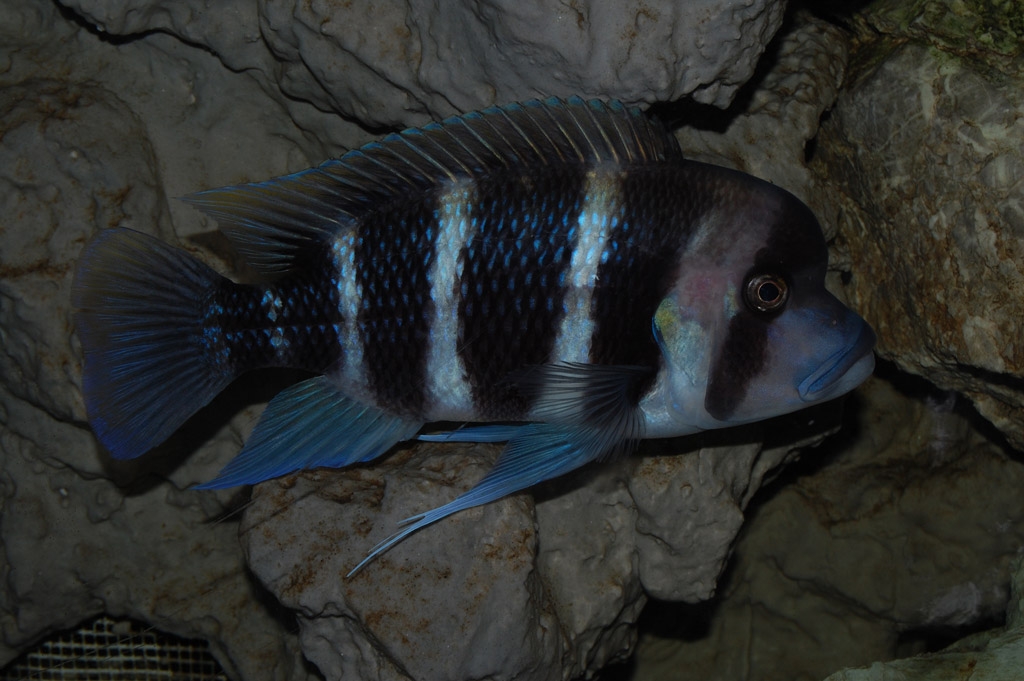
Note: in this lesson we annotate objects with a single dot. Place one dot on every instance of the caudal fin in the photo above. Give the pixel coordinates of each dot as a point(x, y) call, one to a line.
point(140, 308)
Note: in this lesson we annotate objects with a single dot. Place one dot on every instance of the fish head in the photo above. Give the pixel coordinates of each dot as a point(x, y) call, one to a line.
point(749, 330)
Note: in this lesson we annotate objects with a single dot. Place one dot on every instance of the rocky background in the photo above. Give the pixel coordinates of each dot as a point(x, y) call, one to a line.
point(737, 555)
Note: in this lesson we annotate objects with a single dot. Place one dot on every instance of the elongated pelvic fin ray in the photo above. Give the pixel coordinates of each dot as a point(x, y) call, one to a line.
point(308, 425)
point(596, 413)
point(492, 432)
point(273, 223)
point(539, 452)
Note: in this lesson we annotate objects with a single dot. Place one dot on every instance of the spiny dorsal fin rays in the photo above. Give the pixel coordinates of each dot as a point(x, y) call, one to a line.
point(429, 158)
point(590, 136)
point(522, 134)
point(467, 162)
point(275, 223)
point(565, 137)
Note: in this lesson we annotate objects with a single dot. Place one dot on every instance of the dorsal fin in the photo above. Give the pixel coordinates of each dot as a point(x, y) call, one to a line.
point(273, 223)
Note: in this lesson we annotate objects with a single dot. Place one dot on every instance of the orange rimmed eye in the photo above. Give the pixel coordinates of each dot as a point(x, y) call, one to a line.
point(767, 292)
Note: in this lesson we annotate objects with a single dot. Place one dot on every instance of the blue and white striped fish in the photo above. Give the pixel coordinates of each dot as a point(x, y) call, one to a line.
point(554, 272)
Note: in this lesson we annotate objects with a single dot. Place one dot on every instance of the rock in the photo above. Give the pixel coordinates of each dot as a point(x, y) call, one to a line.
point(799, 80)
point(996, 655)
point(482, 594)
point(925, 150)
point(910, 530)
point(459, 600)
point(399, 64)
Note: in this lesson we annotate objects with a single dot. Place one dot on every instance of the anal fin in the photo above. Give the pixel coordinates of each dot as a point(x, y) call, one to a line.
point(309, 425)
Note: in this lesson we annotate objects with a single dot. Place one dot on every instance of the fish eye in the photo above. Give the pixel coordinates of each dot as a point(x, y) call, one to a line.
point(767, 292)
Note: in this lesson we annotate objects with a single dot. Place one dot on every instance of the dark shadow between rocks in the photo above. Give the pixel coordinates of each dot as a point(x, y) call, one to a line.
point(922, 640)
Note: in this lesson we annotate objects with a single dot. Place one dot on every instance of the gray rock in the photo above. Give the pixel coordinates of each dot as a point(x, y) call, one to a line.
point(996, 655)
point(395, 63)
point(768, 133)
point(914, 527)
point(459, 600)
point(482, 594)
point(96, 135)
point(925, 151)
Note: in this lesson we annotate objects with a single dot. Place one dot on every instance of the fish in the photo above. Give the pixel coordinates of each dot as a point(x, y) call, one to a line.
point(553, 274)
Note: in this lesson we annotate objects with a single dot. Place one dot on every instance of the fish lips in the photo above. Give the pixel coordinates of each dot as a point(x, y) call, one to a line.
point(843, 371)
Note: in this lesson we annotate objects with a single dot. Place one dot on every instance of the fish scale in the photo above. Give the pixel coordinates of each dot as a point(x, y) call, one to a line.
point(552, 273)
point(243, 331)
point(497, 337)
point(392, 272)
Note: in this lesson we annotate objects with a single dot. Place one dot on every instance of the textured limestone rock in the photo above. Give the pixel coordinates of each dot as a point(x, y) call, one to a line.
point(925, 147)
point(912, 532)
point(482, 594)
point(914, 528)
point(397, 63)
point(767, 132)
point(996, 655)
point(458, 601)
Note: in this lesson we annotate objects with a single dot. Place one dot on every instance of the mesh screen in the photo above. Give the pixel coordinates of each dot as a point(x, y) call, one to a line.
point(112, 650)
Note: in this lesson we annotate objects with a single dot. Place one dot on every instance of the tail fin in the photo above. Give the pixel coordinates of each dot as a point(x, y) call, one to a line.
point(140, 307)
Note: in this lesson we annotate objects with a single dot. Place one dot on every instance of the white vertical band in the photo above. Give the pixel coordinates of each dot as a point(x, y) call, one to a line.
point(595, 222)
point(448, 391)
point(350, 296)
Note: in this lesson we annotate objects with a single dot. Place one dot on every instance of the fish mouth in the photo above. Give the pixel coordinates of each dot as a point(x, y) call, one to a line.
point(843, 371)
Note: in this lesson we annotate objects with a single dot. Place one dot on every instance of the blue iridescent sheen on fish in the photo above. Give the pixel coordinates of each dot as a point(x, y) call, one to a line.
point(552, 273)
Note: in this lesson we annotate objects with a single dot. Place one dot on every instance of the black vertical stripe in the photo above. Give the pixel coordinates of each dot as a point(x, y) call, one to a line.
point(310, 319)
point(232, 328)
point(652, 225)
point(512, 284)
point(394, 252)
point(741, 359)
point(794, 247)
point(238, 332)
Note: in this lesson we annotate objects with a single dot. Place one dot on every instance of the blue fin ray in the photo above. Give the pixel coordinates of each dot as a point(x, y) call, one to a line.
point(274, 223)
point(575, 392)
point(596, 414)
point(492, 432)
point(539, 452)
point(140, 305)
point(308, 425)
